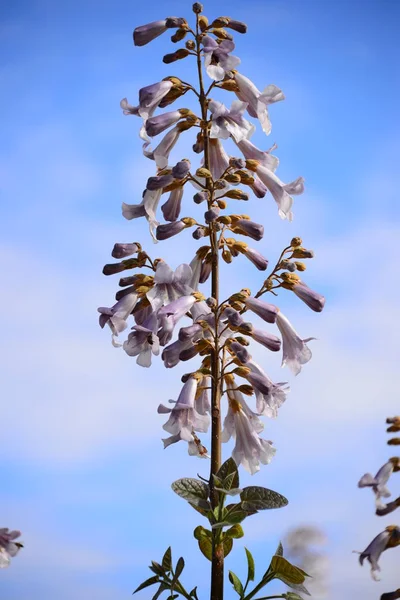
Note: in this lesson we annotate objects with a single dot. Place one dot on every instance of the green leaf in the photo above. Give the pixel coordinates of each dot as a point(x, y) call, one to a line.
point(235, 514)
point(279, 550)
point(200, 532)
point(147, 583)
point(193, 593)
point(228, 545)
point(251, 569)
point(166, 562)
point(227, 469)
point(192, 490)
point(237, 584)
point(160, 590)
point(234, 532)
point(203, 511)
point(180, 565)
point(156, 568)
point(292, 596)
point(259, 498)
point(205, 545)
point(286, 572)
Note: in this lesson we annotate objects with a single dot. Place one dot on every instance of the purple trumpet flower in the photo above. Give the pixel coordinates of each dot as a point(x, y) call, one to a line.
point(259, 189)
point(163, 232)
point(265, 158)
point(217, 60)
point(160, 123)
point(226, 123)
point(266, 339)
point(281, 191)
point(143, 342)
point(233, 316)
point(169, 285)
point(147, 33)
point(295, 350)
point(253, 230)
point(256, 258)
point(171, 209)
point(313, 300)
point(219, 160)
point(170, 355)
point(147, 208)
point(378, 545)
point(265, 311)
point(274, 395)
point(240, 352)
point(159, 182)
point(170, 314)
point(116, 316)
point(378, 483)
point(257, 101)
point(124, 250)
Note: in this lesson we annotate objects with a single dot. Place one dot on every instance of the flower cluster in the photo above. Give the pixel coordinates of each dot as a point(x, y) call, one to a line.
point(160, 298)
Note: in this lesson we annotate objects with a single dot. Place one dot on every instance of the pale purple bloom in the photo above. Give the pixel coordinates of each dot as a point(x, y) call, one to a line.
point(202, 401)
point(184, 418)
point(240, 352)
point(265, 158)
point(242, 423)
point(265, 311)
point(146, 33)
point(159, 181)
point(266, 339)
point(170, 314)
point(190, 332)
point(206, 268)
point(253, 230)
point(164, 232)
point(233, 316)
point(295, 350)
point(258, 101)
point(313, 300)
point(212, 214)
point(218, 158)
point(147, 208)
point(256, 258)
point(200, 197)
point(378, 545)
point(195, 265)
point(226, 123)
point(273, 395)
point(259, 189)
point(143, 342)
point(128, 109)
point(117, 315)
point(378, 483)
point(169, 285)
point(181, 169)
point(124, 250)
point(171, 353)
point(171, 209)
point(281, 191)
point(161, 153)
point(8, 547)
point(160, 123)
point(217, 60)
point(151, 96)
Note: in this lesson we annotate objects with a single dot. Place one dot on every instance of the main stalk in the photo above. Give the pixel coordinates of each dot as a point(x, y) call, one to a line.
point(217, 566)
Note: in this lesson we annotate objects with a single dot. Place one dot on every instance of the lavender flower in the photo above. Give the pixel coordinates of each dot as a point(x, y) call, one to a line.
point(116, 316)
point(256, 258)
point(124, 250)
point(143, 342)
point(257, 101)
point(253, 230)
point(168, 230)
point(265, 158)
point(146, 33)
point(266, 339)
point(170, 314)
point(295, 350)
point(171, 209)
point(262, 309)
point(378, 483)
point(272, 396)
point(147, 208)
point(240, 352)
point(378, 545)
point(8, 547)
point(219, 160)
point(217, 60)
point(226, 123)
point(313, 300)
point(281, 191)
point(169, 285)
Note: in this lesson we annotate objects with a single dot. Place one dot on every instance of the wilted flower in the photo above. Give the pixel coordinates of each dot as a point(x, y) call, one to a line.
point(295, 350)
point(388, 538)
point(242, 423)
point(257, 101)
point(8, 547)
point(217, 60)
point(226, 123)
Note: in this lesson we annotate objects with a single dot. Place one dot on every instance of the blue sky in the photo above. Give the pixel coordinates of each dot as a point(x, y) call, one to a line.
point(84, 475)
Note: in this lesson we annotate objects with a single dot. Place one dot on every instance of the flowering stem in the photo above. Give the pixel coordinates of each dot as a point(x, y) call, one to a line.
point(217, 565)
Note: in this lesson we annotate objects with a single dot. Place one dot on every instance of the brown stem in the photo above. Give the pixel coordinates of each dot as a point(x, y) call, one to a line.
point(217, 566)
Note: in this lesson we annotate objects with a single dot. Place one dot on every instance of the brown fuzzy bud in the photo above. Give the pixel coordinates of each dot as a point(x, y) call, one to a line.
point(245, 177)
point(203, 23)
point(233, 178)
point(219, 184)
point(142, 289)
point(178, 35)
point(236, 305)
point(394, 442)
point(220, 22)
point(237, 195)
point(190, 45)
point(393, 429)
point(296, 241)
point(246, 389)
point(242, 340)
point(197, 8)
point(225, 220)
point(222, 204)
point(300, 266)
point(227, 256)
point(203, 172)
point(202, 252)
point(252, 164)
point(238, 297)
point(178, 55)
point(229, 85)
point(300, 252)
point(188, 221)
point(185, 125)
point(222, 34)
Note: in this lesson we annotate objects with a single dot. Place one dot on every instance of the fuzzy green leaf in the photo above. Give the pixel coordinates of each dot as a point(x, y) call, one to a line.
point(237, 584)
point(192, 490)
point(251, 569)
point(201, 532)
point(259, 498)
point(282, 569)
point(205, 545)
point(227, 469)
point(147, 583)
point(156, 568)
point(160, 590)
point(235, 513)
point(234, 532)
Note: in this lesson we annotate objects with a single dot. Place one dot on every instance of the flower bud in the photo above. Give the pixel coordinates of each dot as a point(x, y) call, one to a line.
point(197, 8)
point(174, 22)
point(113, 268)
point(252, 164)
point(227, 256)
point(124, 250)
point(300, 266)
point(211, 215)
point(237, 195)
point(178, 35)
point(199, 233)
point(229, 85)
point(203, 23)
point(121, 293)
point(181, 169)
point(220, 184)
point(163, 232)
point(174, 56)
point(233, 178)
point(190, 45)
point(198, 147)
point(237, 163)
point(296, 241)
point(221, 34)
point(394, 442)
point(203, 172)
point(222, 204)
point(246, 389)
point(238, 26)
point(225, 220)
point(220, 22)
point(188, 221)
point(300, 252)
